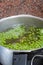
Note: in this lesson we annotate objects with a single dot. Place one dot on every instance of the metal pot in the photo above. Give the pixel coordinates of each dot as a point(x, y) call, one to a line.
point(5, 23)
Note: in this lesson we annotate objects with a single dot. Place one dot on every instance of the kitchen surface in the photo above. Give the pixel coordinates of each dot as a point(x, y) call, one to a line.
point(15, 7)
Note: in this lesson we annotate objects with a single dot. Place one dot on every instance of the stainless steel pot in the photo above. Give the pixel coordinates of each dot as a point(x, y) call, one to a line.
point(6, 54)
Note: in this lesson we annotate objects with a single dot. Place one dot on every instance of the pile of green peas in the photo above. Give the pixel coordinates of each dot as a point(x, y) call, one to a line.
point(26, 38)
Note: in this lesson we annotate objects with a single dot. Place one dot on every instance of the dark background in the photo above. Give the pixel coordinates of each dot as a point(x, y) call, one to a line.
point(15, 7)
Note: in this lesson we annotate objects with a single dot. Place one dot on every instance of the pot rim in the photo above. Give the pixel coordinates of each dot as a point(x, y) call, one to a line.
point(23, 15)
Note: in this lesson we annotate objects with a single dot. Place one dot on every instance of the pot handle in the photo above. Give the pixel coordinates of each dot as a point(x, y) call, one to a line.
point(34, 57)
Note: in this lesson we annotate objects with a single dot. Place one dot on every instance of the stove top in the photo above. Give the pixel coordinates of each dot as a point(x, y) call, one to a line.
point(22, 58)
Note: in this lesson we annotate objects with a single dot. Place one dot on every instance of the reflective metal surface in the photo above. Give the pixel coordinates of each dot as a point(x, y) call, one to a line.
point(5, 56)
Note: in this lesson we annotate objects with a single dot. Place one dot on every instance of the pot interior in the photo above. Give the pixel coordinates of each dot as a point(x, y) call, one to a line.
point(8, 23)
